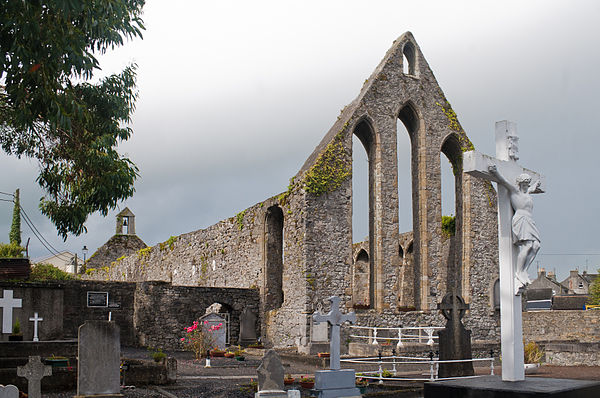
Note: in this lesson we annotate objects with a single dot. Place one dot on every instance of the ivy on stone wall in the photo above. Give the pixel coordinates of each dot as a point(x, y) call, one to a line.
point(239, 218)
point(465, 142)
point(331, 169)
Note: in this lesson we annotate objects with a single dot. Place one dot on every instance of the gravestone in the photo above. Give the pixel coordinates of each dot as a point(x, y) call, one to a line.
point(454, 339)
point(99, 359)
point(320, 330)
point(33, 371)
point(270, 376)
point(7, 303)
point(247, 327)
point(335, 382)
point(216, 321)
point(35, 319)
point(9, 391)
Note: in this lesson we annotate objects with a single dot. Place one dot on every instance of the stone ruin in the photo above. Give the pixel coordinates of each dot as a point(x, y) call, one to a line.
point(297, 248)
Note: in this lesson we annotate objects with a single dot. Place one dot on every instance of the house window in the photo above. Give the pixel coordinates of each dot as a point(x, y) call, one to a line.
point(581, 285)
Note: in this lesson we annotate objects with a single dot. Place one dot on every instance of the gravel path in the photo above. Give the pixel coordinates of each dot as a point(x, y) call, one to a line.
point(228, 378)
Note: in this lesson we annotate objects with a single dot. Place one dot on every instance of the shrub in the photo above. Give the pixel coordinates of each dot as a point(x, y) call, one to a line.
point(448, 225)
point(48, 272)
point(11, 250)
point(533, 353)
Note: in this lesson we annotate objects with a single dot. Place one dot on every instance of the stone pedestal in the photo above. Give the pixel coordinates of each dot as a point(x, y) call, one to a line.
point(336, 383)
point(271, 394)
point(494, 387)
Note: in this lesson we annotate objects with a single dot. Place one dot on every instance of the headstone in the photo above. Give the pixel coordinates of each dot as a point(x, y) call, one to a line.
point(506, 172)
point(33, 371)
point(7, 303)
point(247, 327)
point(216, 326)
point(454, 340)
point(9, 391)
point(335, 382)
point(35, 319)
point(99, 359)
point(270, 378)
point(270, 372)
point(320, 332)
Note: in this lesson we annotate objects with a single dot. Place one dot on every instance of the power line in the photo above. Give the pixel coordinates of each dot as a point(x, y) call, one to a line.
point(36, 232)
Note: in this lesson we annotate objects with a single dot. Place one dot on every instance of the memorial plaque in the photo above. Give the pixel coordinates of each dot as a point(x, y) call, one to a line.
point(97, 299)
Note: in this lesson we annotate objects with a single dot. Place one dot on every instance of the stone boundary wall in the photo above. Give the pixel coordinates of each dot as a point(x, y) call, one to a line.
point(148, 313)
point(572, 354)
point(162, 310)
point(573, 325)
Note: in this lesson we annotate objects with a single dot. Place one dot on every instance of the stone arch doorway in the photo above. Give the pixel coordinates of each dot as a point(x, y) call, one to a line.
point(273, 267)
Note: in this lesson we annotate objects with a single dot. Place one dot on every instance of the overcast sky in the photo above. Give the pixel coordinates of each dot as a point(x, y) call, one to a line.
point(234, 96)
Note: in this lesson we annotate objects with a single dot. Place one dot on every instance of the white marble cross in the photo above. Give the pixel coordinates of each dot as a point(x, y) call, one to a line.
point(7, 302)
point(335, 318)
point(477, 164)
point(33, 371)
point(35, 319)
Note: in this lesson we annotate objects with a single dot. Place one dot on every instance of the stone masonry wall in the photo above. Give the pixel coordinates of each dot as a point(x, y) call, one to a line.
point(231, 254)
point(574, 325)
point(149, 313)
point(162, 310)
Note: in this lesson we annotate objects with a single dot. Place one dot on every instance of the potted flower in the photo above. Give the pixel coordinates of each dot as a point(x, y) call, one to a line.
point(229, 354)
point(288, 379)
point(361, 383)
point(533, 355)
point(216, 352)
point(57, 361)
point(256, 345)
point(307, 382)
point(16, 332)
point(239, 354)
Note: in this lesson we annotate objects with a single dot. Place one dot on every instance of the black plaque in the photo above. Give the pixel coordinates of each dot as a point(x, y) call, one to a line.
point(97, 299)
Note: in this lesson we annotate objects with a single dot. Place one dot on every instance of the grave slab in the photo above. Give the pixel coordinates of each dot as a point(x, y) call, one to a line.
point(99, 360)
point(9, 391)
point(495, 387)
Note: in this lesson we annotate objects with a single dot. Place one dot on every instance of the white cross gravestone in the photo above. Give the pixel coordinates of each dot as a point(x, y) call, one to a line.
point(33, 371)
point(335, 318)
point(7, 303)
point(518, 238)
point(335, 382)
point(35, 319)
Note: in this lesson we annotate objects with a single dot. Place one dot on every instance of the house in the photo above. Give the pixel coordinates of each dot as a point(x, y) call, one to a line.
point(545, 281)
point(64, 260)
point(578, 284)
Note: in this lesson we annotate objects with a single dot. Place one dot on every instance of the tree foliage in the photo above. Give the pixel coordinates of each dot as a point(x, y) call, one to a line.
point(14, 236)
point(50, 112)
point(594, 298)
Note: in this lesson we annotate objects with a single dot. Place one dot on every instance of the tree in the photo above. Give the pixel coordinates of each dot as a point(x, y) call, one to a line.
point(594, 298)
point(14, 236)
point(50, 112)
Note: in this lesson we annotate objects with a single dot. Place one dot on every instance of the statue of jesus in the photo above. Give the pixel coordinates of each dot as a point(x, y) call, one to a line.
point(525, 233)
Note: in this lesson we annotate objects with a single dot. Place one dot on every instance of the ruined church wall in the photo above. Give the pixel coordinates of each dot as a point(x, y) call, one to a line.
point(230, 254)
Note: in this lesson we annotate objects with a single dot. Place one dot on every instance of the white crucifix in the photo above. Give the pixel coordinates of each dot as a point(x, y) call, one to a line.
point(35, 319)
point(335, 318)
point(518, 237)
point(7, 303)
